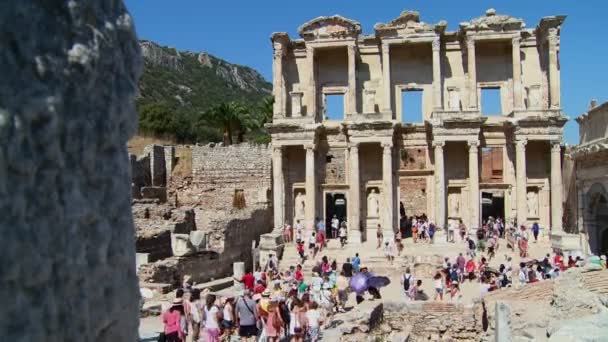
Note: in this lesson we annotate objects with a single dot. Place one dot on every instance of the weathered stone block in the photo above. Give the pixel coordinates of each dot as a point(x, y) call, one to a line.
point(157, 192)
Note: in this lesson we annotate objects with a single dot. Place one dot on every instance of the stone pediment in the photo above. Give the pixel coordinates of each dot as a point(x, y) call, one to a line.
point(330, 28)
point(408, 22)
point(493, 22)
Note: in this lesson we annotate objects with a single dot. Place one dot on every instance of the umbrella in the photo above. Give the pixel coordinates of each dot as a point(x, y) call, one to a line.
point(358, 283)
point(378, 281)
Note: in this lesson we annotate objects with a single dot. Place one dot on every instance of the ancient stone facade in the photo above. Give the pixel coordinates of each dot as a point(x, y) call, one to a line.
point(374, 153)
point(590, 197)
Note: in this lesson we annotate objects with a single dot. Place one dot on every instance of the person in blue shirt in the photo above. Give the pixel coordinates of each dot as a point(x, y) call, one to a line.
point(535, 231)
point(356, 262)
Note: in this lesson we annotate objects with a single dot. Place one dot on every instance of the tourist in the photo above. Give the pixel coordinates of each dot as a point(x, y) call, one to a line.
point(342, 234)
point(535, 231)
point(347, 268)
point(461, 262)
point(455, 294)
point(272, 264)
point(389, 251)
point(342, 285)
point(471, 248)
point(320, 242)
point(212, 317)
point(335, 225)
point(491, 245)
point(451, 232)
point(299, 231)
point(470, 269)
point(172, 321)
point(274, 322)
point(432, 232)
point(523, 274)
point(246, 315)
point(298, 323)
point(301, 251)
point(314, 319)
point(438, 286)
point(407, 280)
point(356, 262)
point(379, 236)
point(287, 233)
point(312, 244)
point(316, 283)
point(415, 231)
point(320, 226)
point(196, 314)
point(227, 317)
point(462, 230)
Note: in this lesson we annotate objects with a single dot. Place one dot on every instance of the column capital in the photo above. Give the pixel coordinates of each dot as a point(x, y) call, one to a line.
point(516, 40)
point(353, 145)
point(277, 149)
point(352, 48)
point(439, 143)
point(470, 42)
point(436, 44)
point(309, 147)
point(552, 36)
point(310, 50)
point(385, 47)
point(521, 142)
point(473, 146)
point(556, 146)
point(387, 145)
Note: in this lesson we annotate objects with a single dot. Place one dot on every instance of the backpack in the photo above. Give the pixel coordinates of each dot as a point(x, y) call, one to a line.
point(406, 282)
point(471, 244)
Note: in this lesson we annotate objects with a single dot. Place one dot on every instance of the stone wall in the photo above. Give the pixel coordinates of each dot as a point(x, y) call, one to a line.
point(413, 195)
point(219, 171)
point(69, 76)
point(413, 158)
point(334, 171)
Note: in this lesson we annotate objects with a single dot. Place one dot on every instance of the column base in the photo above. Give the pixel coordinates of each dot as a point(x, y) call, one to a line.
point(354, 237)
point(566, 243)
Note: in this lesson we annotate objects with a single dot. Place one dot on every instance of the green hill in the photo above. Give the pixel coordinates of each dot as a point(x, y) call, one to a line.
point(179, 89)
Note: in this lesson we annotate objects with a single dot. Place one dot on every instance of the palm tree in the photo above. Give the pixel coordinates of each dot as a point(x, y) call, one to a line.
point(222, 115)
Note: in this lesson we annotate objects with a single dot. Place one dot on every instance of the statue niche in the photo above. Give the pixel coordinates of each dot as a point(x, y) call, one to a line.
point(300, 205)
point(532, 203)
point(454, 202)
point(373, 203)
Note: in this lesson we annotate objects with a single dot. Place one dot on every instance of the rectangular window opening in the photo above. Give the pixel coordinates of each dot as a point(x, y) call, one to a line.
point(490, 102)
point(411, 106)
point(334, 106)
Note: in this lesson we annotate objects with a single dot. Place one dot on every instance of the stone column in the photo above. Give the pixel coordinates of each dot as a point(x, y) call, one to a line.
point(503, 323)
point(352, 79)
point(554, 81)
point(472, 73)
point(387, 180)
point(311, 187)
point(386, 74)
point(439, 185)
point(556, 187)
point(474, 183)
point(354, 229)
point(278, 187)
point(517, 86)
point(312, 86)
point(278, 82)
point(438, 102)
point(521, 181)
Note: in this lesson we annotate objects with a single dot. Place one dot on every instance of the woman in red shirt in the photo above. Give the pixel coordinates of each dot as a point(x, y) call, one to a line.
point(470, 269)
point(172, 322)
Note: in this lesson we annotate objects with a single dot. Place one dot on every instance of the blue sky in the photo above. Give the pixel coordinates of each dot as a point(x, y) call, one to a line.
point(239, 31)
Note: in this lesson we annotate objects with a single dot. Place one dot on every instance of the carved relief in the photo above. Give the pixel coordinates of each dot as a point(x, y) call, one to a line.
point(534, 97)
point(330, 27)
point(369, 96)
point(296, 103)
point(532, 202)
point(373, 203)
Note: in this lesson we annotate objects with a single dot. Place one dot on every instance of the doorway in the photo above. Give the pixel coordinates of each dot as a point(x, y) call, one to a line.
point(335, 204)
point(492, 204)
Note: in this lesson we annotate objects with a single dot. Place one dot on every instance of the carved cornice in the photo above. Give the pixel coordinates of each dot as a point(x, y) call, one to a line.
point(408, 23)
point(330, 28)
point(493, 22)
point(591, 148)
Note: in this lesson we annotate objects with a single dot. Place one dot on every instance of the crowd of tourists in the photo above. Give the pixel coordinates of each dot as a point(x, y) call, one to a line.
point(273, 305)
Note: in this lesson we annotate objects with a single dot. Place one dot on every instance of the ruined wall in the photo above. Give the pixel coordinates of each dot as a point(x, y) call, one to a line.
point(69, 76)
point(219, 171)
point(413, 195)
point(433, 321)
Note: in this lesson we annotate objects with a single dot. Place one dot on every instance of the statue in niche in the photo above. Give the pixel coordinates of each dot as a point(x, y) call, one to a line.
point(373, 204)
point(454, 98)
point(532, 198)
point(454, 205)
point(300, 204)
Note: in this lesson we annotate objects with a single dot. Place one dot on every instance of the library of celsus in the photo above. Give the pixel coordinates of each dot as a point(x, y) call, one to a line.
point(415, 131)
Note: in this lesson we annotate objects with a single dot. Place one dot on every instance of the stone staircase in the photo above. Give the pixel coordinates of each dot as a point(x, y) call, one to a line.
point(596, 281)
